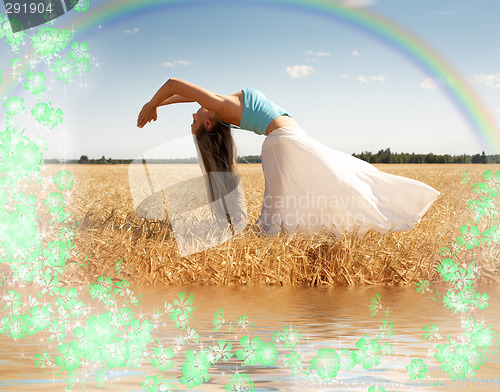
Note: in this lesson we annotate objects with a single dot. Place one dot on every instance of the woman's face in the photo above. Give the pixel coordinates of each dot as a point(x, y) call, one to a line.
point(203, 117)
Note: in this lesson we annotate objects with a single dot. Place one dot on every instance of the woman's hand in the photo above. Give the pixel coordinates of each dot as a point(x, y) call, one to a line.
point(149, 112)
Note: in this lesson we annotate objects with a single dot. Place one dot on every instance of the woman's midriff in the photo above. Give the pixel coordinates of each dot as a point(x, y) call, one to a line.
point(281, 122)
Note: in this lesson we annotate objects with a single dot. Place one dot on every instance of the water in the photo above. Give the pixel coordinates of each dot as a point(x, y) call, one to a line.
point(328, 318)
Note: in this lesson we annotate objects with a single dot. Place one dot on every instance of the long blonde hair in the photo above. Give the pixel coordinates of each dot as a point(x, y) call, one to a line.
point(218, 153)
point(217, 148)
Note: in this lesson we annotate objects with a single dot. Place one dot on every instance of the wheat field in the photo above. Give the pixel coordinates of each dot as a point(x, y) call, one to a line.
point(108, 230)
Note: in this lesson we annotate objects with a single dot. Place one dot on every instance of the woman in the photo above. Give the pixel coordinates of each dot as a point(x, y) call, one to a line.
point(308, 186)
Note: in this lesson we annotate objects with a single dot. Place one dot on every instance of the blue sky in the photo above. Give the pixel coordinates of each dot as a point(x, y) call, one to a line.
point(346, 88)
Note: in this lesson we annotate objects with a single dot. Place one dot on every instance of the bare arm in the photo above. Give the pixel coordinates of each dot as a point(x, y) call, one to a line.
point(175, 99)
point(226, 107)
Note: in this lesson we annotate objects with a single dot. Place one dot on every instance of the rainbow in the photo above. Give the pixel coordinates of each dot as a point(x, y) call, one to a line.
point(458, 91)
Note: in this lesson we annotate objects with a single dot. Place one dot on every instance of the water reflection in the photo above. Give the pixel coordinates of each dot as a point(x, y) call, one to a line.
point(327, 317)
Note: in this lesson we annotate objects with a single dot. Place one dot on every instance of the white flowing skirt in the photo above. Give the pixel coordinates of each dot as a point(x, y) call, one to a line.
point(310, 187)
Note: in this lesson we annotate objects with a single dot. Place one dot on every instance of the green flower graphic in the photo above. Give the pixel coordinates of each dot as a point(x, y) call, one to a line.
point(64, 70)
point(268, 354)
point(40, 317)
point(28, 157)
point(35, 83)
point(492, 235)
point(67, 299)
point(469, 238)
point(79, 53)
point(250, 351)
point(46, 114)
point(431, 332)
point(157, 383)
point(99, 330)
point(125, 317)
point(481, 300)
point(326, 363)
point(220, 351)
point(15, 40)
point(12, 301)
point(161, 358)
point(417, 369)
point(452, 300)
point(423, 287)
point(195, 369)
point(289, 337)
point(63, 180)
point(447, 269)
point(379, 389)
point(492, 182)
point(82, 5)
point(43, 360)
point(180, 310)
point(467, 294)
point(465, 177)
point(386, 329)
point(55, 202)
point(13, 106)
point(218, 320)
point(294, 362)
point(16, 326)
point(49, 42)
point(69, 360)
point(366, 353)
point(240, 383)
point(376, 305)
point(386, 349)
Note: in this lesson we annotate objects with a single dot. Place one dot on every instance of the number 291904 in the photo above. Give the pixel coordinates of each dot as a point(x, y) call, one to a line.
point(32, 8)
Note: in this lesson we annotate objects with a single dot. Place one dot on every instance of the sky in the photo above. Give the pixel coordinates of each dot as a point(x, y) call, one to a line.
point(344, 86)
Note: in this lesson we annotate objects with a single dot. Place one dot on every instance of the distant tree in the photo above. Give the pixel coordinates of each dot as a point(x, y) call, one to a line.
point(476, 158)
point(430, 158)
point(484, 158)
point(84, 159)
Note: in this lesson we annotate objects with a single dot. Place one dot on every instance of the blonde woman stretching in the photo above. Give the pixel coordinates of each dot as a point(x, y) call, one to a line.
point(308, 186)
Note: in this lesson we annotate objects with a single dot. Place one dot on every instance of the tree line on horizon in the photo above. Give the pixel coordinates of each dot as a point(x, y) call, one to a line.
point(387, 156)
point(382, 156)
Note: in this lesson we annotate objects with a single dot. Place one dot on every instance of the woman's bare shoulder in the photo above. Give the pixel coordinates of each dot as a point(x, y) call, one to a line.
point(232, 108)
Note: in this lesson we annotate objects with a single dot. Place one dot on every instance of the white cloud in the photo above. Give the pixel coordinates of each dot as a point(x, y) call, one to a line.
point(298, 71)
point(184, 63)
point(320, 54)
point(355, 53)
point(357, 3)
point(344, 76)
point(491, 81)
point(379, 78)
point(135, 30)
point(430, 83)
point(374, 78)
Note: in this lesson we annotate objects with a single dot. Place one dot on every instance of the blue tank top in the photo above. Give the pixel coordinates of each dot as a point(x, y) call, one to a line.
point(258, 112)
